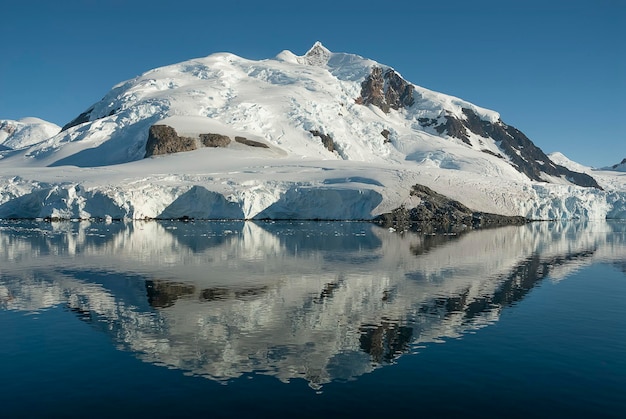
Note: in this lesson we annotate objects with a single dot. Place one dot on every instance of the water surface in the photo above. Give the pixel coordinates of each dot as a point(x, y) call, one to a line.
point(232, 319)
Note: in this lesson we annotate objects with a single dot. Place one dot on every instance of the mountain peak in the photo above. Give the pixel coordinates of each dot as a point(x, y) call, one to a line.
point(317, 56)
point(620, 167)
point(25, 132)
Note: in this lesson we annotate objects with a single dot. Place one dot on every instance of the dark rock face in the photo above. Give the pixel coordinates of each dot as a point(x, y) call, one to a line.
point(525, 156)
point(452, 127)
point(372, 90)
point(327, 140)
point(386, 91)
point(80, 119)
point(438, 213)
point(498, 155)
point(385, 133)
point(318, 55)
point(250, 143)
point(214, 140)
point(398, 92)
point(619, 164)
point(8, 128)
point(163, 139)
point(85, 117)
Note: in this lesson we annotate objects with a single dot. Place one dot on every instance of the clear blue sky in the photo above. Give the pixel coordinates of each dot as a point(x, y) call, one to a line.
point(556, 70)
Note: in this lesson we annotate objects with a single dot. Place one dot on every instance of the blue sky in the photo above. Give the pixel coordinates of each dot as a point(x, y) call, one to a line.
point(556, 70)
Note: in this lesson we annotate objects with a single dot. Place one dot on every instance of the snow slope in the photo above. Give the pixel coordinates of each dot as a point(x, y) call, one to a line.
point(620, 167)
point(95, 167)
point(25, 132)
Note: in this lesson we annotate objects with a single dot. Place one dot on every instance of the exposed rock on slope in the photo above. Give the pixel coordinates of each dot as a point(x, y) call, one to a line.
point(525, 156)
point(385, 133)
point(327, 140)
point(386, 90)
point(317, 56)
point(80, 119)
point(214, 140)
point(163, 139)
point(438, 213)
point(250, 143)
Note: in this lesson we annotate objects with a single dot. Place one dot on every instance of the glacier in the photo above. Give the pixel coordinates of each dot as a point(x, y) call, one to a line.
point(94, 167)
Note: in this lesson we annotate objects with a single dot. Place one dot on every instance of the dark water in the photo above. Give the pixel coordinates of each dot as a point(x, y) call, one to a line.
point(241, 319)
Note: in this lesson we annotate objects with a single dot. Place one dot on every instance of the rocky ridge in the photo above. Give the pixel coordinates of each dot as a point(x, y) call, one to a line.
point(620, 166)
point(523, 154)
point(163, 139)
point(388, 91)
point(436, 213)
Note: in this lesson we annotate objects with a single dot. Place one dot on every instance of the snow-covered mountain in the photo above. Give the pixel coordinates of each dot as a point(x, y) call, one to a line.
point(620, 167)
point(324, 135)
point(16, 135)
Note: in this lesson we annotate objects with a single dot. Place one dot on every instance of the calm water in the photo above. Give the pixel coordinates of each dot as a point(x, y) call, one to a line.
point(239, 319)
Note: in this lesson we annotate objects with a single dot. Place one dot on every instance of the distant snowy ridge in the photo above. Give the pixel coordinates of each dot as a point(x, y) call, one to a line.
point(25, 132)
point(343, 137)
point(620, 167)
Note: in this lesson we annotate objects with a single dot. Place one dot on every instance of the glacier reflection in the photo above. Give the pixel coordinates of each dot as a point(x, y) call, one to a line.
point(317, 301)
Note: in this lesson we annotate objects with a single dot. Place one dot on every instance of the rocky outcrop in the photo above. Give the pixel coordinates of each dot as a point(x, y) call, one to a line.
point(523, 154)
point(214, 140)
point(10, 130)
point(250, 143)
point(327, 140)
point(398, 92)
point(80, 119)
point(163, 139)
point(452, 127)
point(385, 133)
point(86, 117)
point(438, 213)
point(373, 90)
point(317, 56)
point(386, 90)
point(7, 127)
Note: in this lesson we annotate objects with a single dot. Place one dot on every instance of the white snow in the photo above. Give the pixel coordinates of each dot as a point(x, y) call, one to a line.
point(619, 167)
point(25, 132)
point(97, 169)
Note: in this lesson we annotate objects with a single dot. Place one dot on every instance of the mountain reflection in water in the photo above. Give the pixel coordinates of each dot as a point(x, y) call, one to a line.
point(318, 301)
